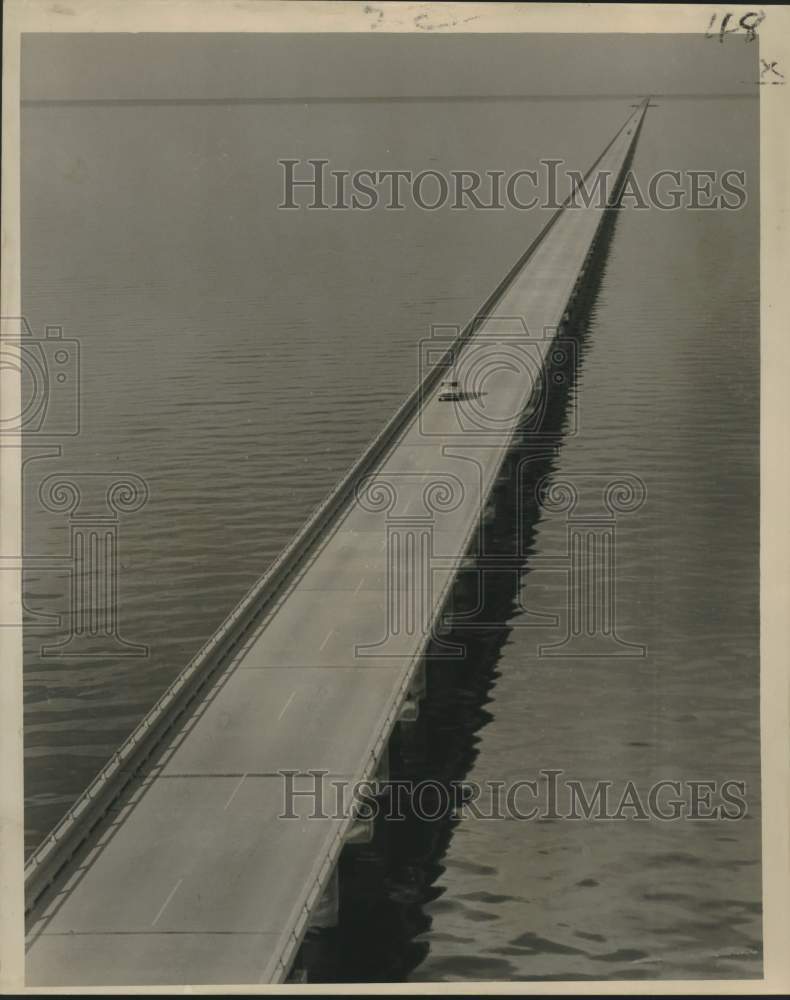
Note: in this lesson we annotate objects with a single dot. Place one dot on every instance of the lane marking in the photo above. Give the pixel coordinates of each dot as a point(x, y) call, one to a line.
point(233, 793)
point(285, 706)
point(359, 585)
point(328, 636)
point(173, 891)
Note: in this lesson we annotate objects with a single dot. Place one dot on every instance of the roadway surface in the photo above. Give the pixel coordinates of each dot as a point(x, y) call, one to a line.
point(194, 877)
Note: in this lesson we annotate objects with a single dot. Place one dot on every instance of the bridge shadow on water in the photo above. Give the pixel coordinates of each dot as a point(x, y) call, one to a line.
point(386, 884)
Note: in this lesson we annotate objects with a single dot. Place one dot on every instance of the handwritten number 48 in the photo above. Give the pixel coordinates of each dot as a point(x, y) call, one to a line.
point(747, 23)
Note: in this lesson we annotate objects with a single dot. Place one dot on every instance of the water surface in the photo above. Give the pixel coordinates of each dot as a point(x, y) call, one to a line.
point(238, 358)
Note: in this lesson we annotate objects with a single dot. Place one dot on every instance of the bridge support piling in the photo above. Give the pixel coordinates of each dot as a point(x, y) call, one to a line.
point(410, 711)
point(327, 912)
point(360, 832)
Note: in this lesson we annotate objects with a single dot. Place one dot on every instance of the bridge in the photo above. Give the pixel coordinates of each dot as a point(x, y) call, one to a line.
point(186, 860)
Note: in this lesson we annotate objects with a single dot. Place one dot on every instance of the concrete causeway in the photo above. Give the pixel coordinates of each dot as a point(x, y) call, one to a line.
point(180, 869)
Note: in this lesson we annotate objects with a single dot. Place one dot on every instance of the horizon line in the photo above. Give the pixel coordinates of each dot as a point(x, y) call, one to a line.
point(406, 99)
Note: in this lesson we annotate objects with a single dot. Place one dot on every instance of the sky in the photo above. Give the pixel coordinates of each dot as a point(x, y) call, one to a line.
point(166, 66)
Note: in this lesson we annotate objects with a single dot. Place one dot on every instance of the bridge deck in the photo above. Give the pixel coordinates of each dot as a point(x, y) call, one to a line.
point(192, 877)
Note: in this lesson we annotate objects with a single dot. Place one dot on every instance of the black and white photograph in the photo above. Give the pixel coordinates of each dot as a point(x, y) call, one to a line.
point(388, 400)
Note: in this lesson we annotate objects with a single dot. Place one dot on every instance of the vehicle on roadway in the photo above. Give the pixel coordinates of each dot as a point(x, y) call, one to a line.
point(449, 392)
